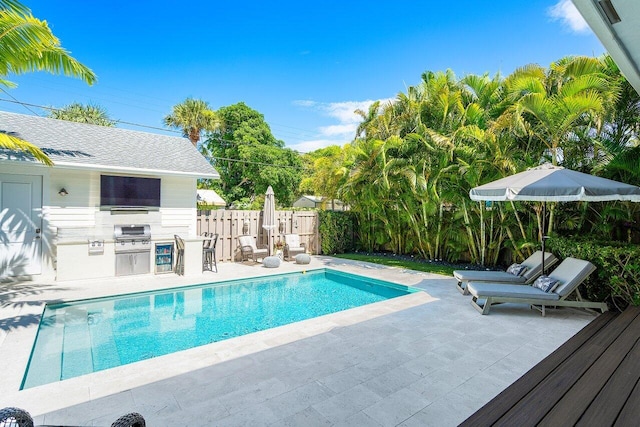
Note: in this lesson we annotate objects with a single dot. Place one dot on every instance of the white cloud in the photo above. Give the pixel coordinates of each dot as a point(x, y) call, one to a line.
point(304, 103)
point(309, 146)
point(347, 129)
point(339, 133)
point(565, 12)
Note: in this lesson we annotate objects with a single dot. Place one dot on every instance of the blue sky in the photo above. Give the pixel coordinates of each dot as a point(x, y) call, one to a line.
point(304, 65)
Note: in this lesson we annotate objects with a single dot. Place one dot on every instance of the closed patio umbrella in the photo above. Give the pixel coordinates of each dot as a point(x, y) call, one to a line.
point(548, 183)
point(269, 214)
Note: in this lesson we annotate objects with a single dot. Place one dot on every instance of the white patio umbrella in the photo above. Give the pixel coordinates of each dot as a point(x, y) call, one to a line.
point(269, 214)
point(548, 183)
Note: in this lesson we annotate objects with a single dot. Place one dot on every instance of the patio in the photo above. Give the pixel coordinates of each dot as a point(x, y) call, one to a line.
point(423, 359)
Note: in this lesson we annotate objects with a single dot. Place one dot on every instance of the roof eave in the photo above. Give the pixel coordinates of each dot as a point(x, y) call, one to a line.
point(120, 169)
point(615, 46)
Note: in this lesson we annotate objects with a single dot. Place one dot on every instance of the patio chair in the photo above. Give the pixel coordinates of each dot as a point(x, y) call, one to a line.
point(179, 267)
point(209, 252)
point(292, 246)
point(569, 275)
point(533, 266)
point(21, 418)
point(248, 249)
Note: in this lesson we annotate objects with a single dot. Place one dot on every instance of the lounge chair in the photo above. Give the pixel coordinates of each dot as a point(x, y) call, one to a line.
point(533, 266)
point(248, 249)
point(570, 274)
point(292, 246)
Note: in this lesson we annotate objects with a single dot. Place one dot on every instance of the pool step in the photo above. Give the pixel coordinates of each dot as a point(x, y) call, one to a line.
point(105, 351)
point(46, 361)
point(76, 351)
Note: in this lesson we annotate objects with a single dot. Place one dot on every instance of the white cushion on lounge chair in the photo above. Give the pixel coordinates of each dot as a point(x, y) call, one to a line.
point(533, 264)
point(483, 290)
point(534, 269)
point(570, 273)
point(487, 276)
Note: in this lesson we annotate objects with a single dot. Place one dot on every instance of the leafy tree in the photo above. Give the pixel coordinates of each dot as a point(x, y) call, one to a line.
point(249, 158)
point(27, 44)
point(550, 104)
point(328, 171)
point(192, 116)
point(77, 112)
point(416, 158)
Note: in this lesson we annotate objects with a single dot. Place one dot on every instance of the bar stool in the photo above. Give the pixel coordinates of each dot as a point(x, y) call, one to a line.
point(179, 268)
point(209, 252)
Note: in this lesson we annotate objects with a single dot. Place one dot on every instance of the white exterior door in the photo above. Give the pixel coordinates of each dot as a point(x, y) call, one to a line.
point(20, 225)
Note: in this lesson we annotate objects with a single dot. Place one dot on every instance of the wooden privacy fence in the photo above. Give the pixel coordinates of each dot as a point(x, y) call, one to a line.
point(229, 224)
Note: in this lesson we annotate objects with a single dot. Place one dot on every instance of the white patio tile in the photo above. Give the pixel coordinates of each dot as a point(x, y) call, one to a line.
point(397, 407)
point(424, 359)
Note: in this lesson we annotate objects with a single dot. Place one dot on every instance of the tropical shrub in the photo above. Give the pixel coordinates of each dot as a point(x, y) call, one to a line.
point(617, 278)
point(336, 231)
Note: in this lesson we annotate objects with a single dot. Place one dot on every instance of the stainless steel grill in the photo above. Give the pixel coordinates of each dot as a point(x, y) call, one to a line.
point(133, 249)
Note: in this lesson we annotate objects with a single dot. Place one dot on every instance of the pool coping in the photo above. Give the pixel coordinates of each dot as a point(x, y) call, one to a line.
point(432, 384)
point(324, 319)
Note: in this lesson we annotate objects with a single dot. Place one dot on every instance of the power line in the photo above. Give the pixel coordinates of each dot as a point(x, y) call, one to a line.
point(255, 163)
point(27, 105)
point(289, 134)
point(18, 102)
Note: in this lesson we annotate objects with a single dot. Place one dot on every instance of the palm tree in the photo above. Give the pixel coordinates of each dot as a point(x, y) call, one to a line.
point(76, 112)
point(549, 105)
point(192, 116)
point(27, 44)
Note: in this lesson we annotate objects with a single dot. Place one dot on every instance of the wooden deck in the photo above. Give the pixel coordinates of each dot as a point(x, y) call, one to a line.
point(591, 380)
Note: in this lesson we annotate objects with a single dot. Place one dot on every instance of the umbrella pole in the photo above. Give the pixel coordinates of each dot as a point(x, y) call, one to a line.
point(544, 217)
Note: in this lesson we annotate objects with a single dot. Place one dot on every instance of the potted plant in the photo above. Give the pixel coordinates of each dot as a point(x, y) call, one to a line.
point(278, 246)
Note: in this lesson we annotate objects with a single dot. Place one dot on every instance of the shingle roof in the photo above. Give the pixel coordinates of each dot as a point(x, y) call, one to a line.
point(78, 145)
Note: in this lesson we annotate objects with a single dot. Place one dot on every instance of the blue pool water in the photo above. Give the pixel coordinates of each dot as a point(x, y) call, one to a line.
point(86, 336)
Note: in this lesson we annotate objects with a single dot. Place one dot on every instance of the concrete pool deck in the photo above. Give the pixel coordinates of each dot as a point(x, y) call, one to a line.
point(428, 358)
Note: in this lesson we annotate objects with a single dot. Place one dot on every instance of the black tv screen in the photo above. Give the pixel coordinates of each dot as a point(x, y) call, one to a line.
point(128, 191)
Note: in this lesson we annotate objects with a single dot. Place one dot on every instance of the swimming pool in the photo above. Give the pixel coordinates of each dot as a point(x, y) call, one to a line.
point(80, 337)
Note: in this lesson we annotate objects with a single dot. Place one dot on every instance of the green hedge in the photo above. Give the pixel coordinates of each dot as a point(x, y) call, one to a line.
point(617, 278)
point(336, 231)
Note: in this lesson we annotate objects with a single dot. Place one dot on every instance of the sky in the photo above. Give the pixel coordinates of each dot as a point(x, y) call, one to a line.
point(306, 66)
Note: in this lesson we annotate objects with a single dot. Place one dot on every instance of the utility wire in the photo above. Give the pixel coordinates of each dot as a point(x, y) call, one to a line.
point(227, 159)
point(291, 134)
point(27, 105)
point(18, 102)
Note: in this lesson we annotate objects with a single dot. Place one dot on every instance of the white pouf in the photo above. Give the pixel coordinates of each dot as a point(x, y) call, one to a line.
point(303, 259)
point(271, 262)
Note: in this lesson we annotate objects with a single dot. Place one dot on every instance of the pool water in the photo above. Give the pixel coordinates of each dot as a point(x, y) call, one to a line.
point(81, 337)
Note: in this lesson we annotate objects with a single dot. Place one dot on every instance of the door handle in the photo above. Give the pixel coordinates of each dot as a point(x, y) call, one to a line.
point(37, 233)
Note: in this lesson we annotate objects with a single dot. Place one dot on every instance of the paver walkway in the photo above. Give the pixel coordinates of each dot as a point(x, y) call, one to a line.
point(592, 380)
point(423, 359)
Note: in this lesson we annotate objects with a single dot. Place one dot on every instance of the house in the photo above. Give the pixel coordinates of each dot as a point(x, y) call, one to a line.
point(210, 198)
point(616, 24)
point(320, 202)
point(61, 221)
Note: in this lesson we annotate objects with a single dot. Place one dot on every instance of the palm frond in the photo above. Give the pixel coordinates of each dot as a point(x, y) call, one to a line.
point(13, 143)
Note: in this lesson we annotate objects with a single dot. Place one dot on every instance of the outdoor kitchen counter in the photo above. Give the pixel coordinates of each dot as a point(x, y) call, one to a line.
point(78, 259)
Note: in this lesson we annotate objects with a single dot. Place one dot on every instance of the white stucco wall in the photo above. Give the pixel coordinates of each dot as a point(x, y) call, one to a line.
point(70, 221)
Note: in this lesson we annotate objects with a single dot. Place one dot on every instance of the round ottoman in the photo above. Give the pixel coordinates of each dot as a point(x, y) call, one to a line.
point(271, 262)
point(303, 259)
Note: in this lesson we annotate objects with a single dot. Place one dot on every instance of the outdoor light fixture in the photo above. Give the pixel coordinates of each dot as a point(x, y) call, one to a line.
point(63, 192)
point(609, 11)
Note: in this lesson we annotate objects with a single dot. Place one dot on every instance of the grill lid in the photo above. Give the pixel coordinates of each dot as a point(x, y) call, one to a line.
point(133, 231)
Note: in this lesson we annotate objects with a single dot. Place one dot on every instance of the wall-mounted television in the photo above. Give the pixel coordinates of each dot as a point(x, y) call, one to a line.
point(129, 192)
